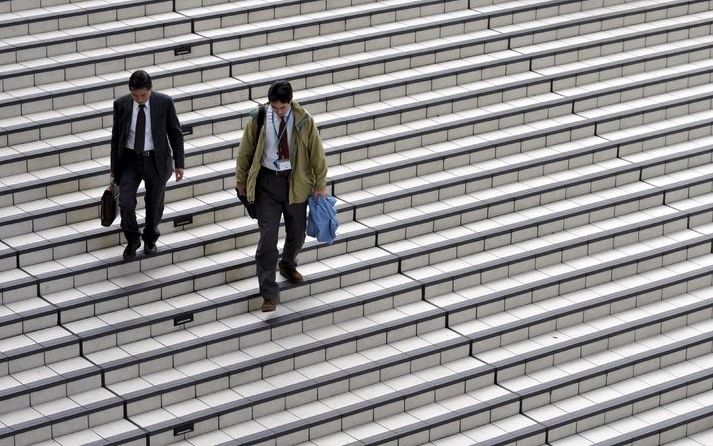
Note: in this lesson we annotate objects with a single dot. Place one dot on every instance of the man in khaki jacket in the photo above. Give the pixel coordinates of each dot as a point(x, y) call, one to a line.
point(277, 170)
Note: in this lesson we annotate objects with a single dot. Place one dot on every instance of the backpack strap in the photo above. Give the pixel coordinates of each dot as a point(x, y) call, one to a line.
point(261, 112)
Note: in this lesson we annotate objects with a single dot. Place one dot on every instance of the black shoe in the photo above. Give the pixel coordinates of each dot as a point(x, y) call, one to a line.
point(130, 251)
point(150, 248)
point(290, 273)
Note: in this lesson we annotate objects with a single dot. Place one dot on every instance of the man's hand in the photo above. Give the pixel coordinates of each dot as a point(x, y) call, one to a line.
point(241, 189)
point(320, 192)
point(179, 174)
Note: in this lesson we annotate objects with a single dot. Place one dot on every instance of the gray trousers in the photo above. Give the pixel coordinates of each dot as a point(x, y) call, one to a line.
point(272, 202)
point(137, 168)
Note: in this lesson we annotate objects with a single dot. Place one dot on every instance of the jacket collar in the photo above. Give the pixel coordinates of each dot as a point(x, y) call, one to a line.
point(301, 115)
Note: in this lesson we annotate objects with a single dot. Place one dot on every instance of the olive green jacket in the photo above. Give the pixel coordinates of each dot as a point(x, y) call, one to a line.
point(309, 165)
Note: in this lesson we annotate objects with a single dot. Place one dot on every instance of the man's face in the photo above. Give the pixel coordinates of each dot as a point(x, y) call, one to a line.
point(280, 108)
point(141, 96)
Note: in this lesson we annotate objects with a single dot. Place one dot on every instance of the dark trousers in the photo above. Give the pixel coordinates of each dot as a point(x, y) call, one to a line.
point(272, 202)
point(136, 168)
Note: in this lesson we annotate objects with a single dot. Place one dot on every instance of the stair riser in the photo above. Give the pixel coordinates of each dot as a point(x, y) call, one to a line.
point(629, 409)
point(482, 417)
point(58, 428)
point(622, 237)
point(97, 177)
point(446, 392)
point(624, 336)
point(590, 313)
point(202, 47)
point(336, 128)
point(573, 251)
point(341, 386)
point(147, 8)
point(644, 400)
point(681, 427)
point(543, 289)
point(298, 83)
point(690, 318)
point(53, 283)
point(83, 18)
point(180, 191)
point(633, 334)
point(310, 392)
point(566, 222)
point(51, 393)
point(31, 254)
point(18, 291)
point(115, 65)
point(185, 26)
point(111, 88)
point(74, 45)
point(538, 434)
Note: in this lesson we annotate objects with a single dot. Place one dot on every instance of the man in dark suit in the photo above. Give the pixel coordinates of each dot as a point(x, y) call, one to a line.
point(146, 142)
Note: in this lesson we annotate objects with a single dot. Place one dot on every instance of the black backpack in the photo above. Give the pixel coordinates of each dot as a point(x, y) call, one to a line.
point(250, 207)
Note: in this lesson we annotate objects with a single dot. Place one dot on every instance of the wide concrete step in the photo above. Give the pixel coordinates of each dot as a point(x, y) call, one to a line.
point(688, 417)
point(399, 413)
point(35, 245)
point(620, 357)
point(332, 108)
point(88, 268)
point(17, 136)
point(87, 90)
point(200, 26)
point(637, 320)
point(59, 209)
point(57, 122)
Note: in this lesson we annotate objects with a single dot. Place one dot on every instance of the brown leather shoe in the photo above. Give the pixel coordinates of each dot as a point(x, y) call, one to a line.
point(291, 274)
point(268, 305)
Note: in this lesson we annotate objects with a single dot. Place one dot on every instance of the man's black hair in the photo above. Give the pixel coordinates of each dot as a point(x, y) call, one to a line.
point(140, 80)
point(280, 91)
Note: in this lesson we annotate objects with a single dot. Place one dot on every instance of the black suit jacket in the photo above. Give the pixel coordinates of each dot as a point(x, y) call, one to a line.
point(165, 130)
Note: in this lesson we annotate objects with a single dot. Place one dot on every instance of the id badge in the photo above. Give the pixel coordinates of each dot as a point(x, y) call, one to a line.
point(283, 164)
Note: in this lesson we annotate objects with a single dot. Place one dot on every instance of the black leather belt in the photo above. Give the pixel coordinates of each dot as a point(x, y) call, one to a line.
point(144, 153)
point(274, 173)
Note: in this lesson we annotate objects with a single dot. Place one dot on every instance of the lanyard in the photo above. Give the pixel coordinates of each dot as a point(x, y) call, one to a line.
point(276, 128)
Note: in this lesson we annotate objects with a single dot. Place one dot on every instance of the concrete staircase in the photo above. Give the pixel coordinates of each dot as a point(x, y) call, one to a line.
point(524, 254)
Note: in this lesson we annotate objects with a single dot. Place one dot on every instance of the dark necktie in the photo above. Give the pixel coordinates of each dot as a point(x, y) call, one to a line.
point(282, 143)
point(140, 133)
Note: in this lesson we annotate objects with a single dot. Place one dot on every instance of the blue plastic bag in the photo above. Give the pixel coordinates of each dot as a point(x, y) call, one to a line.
point(322, 222)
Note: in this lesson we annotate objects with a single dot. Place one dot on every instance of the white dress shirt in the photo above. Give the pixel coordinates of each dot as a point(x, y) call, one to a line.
point(148, 142)
point(272, 127)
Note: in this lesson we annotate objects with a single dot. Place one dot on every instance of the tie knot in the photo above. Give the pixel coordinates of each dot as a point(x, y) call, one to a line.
point(141, 107)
